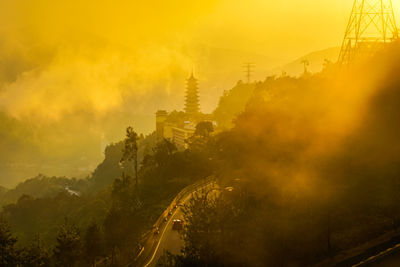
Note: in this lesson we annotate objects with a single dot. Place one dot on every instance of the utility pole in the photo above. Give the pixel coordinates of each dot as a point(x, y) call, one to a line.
point(249, 70)
point(371, 26)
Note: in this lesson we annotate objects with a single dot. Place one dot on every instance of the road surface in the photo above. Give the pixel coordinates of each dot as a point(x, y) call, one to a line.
point(167, 239)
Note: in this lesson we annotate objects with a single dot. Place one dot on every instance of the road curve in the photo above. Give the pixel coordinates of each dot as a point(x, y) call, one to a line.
point(167, 239)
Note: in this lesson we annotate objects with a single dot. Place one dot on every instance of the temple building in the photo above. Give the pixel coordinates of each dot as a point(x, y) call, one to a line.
point(178, 126)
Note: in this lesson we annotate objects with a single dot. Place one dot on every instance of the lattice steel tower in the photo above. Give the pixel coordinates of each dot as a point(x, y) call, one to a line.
point(372, 24)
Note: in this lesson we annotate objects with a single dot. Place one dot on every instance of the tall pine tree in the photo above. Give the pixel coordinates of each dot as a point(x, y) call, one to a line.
point(68, 248)
point(93, 244)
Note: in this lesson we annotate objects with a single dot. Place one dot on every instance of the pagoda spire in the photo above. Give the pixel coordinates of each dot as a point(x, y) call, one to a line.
point(192, 106)
point(192, 74)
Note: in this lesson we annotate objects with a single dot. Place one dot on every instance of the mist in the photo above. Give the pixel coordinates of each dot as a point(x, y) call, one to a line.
point(112, 65)
point(272, 153)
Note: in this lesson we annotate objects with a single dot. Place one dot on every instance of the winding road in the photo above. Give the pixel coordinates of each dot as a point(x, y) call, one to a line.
point(167, 239)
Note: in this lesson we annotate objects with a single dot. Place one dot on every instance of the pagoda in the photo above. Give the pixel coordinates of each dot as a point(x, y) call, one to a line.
point(192, 106)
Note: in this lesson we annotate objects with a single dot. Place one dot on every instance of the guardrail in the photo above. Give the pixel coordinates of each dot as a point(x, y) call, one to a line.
point(367, 253)
point(379, 256)
point(147, 238)
point(184, 192)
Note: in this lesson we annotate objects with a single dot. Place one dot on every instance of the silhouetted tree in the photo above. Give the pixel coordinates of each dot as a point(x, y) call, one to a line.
point(68, 248)
point(93, 243)
point(35, 255)
point(210, 231)
point(130, 152)
point(162, 152)
point(204, 128)
point(114, 233)
point(8, 255)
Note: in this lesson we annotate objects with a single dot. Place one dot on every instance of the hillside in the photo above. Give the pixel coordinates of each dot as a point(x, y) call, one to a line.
point(316, 60)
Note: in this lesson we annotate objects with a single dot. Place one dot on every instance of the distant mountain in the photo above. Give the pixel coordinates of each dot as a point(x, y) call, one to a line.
point(41, 186)
point(316, 61)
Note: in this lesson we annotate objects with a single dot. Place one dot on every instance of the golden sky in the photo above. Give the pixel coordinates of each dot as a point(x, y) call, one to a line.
point(95, 54)
point(284, 29)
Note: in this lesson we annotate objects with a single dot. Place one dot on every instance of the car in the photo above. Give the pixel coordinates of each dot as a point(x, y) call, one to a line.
point(229, 189)
point(177, 224)
point(156, 231)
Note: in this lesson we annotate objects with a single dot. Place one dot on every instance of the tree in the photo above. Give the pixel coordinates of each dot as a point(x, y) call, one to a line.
point(120, 224)
point(114, 232)
point(8, 256)
point(130, 151)
point(122, 195)
point(93, 243)
point(68, 248)
point(204, 128)
point(163, 151)
point(210, 231)
point(35, 255)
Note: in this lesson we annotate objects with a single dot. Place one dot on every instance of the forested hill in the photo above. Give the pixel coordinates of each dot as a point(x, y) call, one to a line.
point(316, 154)
point(110, 199)
point(43, 186)
point(231, 103)
point(102, 177)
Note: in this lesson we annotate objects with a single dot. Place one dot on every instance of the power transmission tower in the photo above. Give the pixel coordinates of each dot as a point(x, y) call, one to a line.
point(372, 24)
point(249, 69)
